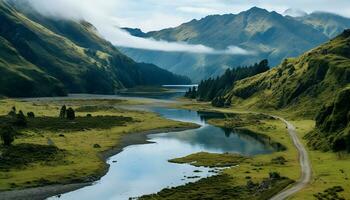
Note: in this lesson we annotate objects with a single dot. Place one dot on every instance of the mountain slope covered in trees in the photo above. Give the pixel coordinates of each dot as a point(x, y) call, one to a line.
point(43, 56)
point(314, 84)
point(269, 34)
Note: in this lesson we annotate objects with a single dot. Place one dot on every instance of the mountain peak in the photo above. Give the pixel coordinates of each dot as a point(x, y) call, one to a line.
point(256, 10)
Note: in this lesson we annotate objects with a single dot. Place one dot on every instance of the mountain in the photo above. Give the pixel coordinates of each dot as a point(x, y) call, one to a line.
point(315, 84)
point(328, 23)
point(43, 56)
point(269, 34)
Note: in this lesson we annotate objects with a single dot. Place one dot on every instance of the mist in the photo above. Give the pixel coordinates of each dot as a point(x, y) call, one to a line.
point(100, 14)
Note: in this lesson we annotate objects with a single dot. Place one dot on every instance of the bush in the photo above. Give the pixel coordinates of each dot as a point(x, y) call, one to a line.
point(21, 119)
point(70, 114)
point(7, 135)
point(30, 115)
point(63, 112)
point(12, 113)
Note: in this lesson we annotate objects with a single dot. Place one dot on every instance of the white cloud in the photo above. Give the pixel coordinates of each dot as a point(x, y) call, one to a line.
point(100, 14)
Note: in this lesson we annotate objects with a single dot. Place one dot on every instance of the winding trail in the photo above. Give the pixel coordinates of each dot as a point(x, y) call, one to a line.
point(304, 164)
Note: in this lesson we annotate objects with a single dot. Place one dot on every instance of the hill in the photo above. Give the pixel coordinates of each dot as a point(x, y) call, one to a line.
point(315, 84)
point(269, 34)
point(43, 56)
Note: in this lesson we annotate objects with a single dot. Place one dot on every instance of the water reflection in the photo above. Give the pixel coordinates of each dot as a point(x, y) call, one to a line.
point(144, 169)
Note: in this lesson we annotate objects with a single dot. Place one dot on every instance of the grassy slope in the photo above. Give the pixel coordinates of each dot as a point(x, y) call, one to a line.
point(82, 162)
point(300, 85)
point(27, 78)
point(73, 53)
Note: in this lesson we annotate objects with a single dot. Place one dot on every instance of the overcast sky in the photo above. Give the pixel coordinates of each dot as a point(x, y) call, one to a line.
point(149, 15)
point(157, 14)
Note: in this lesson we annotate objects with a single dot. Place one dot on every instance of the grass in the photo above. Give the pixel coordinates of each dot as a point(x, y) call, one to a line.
point(82, 162)
point(329, 169)
point(210, 159)
point(221, 187)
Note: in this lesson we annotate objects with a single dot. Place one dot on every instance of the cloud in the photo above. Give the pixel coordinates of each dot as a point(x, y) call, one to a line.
point(100, 14)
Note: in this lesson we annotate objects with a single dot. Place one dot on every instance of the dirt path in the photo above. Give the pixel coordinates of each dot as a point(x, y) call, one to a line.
point(304, 164)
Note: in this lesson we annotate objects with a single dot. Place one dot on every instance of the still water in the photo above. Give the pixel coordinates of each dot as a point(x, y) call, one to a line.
point(144, 169)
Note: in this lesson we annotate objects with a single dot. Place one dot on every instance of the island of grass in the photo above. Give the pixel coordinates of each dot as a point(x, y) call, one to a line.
point(51, 150)
point(204, 159)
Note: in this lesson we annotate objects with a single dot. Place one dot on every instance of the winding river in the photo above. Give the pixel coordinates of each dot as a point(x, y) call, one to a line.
point(144, 169)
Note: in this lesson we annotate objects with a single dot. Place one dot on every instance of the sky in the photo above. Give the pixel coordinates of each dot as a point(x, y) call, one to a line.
point(108, 15)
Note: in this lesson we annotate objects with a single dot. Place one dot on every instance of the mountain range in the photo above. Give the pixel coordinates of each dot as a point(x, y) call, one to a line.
point(269, 35)
point(44, 56)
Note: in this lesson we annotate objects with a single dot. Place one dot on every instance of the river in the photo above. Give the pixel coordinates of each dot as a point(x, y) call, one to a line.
point(144, 169)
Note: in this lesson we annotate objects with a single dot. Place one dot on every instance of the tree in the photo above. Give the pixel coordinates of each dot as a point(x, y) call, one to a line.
point(30, 115)
point(70, 114)
point(12, 113)
point(7, 135)
point(20, 119)
point(63, 112)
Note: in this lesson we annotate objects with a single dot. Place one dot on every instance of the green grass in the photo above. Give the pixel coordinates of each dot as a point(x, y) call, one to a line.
point(328, 169)
point(220, 187)
point(21, 155)
point(210, 159)
point(82, 162)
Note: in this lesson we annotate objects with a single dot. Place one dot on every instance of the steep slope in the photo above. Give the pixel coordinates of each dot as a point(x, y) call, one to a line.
point(71, 52)
point(328, 23)
point(314, 84)
point(271, 35)
point(20, 78)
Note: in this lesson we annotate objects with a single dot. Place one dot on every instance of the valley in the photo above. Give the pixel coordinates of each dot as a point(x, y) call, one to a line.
point(162, 100)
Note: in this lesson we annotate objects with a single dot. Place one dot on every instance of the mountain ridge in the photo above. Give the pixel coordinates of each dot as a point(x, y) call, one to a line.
point(67, 54)
point(272, 35)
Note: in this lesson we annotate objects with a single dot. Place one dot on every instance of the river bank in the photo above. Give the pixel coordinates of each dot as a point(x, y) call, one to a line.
point(77, 171)
point(39, 193)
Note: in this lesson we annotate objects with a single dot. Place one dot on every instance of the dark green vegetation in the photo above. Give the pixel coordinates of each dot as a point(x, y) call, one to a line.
point(316, 83)
point(223, 187)
point(21, 155)
point(270, 35)
point(333, 125)
point(330, 193)
point(79, 123)
point(42, 56)
point(210, 159)
point(214, 89)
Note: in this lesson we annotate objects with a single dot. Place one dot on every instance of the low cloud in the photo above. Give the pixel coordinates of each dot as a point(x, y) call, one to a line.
point(100, 14)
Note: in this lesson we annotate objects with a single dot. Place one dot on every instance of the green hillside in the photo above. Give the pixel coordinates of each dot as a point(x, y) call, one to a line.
point(314, 84)
point(270, 35)
point(64, 56)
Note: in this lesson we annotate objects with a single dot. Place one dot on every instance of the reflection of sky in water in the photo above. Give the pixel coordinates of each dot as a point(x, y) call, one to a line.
point(144, 169)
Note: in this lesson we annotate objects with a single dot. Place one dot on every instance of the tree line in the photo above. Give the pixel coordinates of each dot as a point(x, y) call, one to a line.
point(214, 89)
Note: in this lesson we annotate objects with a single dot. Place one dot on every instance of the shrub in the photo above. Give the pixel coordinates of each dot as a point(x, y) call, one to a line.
point(63, 112)
point(20, 119)
point(7, 135)
point(30, 115)
point(70, 114)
